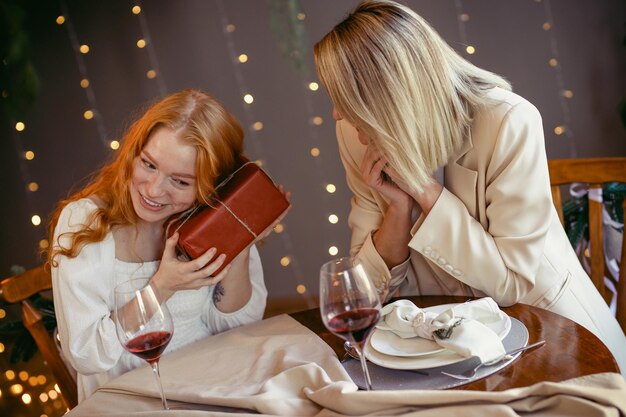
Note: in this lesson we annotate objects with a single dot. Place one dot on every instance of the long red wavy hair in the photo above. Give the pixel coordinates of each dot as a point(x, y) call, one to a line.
point(204, 123)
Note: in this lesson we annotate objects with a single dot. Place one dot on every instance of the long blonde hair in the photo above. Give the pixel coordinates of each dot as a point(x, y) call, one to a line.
point(201, 121)
point(389, 74)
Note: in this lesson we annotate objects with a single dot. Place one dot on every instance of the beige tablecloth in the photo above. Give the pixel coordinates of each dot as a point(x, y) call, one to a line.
point(279, 367)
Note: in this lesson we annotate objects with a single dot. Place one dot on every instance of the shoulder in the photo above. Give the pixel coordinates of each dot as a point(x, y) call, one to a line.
point(505, 105)
point(76, 214)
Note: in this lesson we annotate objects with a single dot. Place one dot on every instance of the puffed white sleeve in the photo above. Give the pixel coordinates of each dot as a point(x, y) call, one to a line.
point(218, 321)
point(366, 215)
point(82, 291)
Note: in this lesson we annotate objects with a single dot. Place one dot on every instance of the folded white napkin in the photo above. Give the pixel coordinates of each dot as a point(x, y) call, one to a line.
point(460, 328)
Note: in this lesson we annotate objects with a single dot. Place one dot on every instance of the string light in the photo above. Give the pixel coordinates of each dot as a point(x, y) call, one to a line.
point(315, 152)
point(461, 20)
point(257, 125)
point(35, 220)
point(333, 250)
point(313, 86)
point(29, 155)
point(20, 126)
point(115, 145)
point(145, 43)
point(84, 49)
point(331, 188)
point(60, 20)
point(33, 186)
point(333, 219)
point(317, 120)
point(562, 129)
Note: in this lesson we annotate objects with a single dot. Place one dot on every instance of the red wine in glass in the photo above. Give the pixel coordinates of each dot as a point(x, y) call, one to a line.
point(144, 325)
point(349, 304)
point(354, 325)
point(149, 346)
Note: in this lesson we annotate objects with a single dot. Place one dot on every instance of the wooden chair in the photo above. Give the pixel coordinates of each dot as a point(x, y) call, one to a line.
point(595, 172)
point(18, 289)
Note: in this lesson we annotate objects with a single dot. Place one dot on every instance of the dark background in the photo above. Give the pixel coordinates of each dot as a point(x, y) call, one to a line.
point(189, 46)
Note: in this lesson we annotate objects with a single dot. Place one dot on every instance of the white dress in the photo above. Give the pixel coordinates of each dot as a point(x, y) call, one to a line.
point(83, 300)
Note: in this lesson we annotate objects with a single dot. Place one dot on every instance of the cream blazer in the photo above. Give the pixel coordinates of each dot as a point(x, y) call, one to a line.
point(493, 231)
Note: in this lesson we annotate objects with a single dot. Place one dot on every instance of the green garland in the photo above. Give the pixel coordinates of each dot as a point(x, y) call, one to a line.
point(576, 211)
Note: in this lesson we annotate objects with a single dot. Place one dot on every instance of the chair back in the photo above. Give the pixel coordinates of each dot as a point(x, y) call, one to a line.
point(595, 172)
point(17, 289)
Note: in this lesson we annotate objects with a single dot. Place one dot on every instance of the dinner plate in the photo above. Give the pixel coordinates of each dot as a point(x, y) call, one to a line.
point(383, 349)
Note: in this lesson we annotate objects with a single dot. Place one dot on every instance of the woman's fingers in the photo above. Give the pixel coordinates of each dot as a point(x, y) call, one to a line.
point(170, 247)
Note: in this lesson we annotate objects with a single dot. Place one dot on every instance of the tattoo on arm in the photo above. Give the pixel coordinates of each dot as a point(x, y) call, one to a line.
point(218, 292)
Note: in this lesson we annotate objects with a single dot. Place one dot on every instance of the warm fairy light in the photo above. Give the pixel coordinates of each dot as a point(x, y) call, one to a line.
point(0, 393)
point(279, 228)
point(32, 381)
point(115, 145)
point(151, 74)
point(3, 314)
point(43, 243)
point(257, 126)
point(29, 155)
point(83, 49)
point(315, 152)
point(60, 20)
point(333, 218)
point(53, 394)
point(470, 49)
point(300, 289)
point(136, 9)
point(333, 250)
point(36, 220)
point(141, 43)
point(84, 83)
point(317, 120)
point(243, 58)
point(331, 188)
point(546, 26)
point(16, 389)
point(313, 86)
point(23, 375)
point(568, 93)
point(301, 16)
point(553, 62)
point(1, 347)
point(88, 115)
point(33, 186)
point(26, 399)
point(230, 28)
point(41, 379)
point(559, 130)
point(43, 397)
point(464, 17)
point(20, 126)
point(10, 375)
point(248, 98)
point(285, 261)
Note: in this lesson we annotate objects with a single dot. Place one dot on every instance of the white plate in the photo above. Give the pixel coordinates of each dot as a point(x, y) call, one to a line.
point(387, 342)
point(427, 357)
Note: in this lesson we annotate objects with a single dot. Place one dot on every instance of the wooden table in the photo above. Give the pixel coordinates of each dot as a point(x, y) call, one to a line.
point(570, 350)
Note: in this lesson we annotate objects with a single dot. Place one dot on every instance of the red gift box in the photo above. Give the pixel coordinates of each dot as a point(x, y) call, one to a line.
point(247, 203)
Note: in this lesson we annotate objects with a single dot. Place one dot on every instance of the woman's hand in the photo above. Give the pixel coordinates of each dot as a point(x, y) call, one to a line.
point(176, 275)
point(377, 173)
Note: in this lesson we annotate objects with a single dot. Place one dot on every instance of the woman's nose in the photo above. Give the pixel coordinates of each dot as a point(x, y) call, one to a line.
point(336, 115)
point(155, 186)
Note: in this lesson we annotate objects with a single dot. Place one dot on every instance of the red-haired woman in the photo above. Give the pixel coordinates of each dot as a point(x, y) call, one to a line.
point(113, 230)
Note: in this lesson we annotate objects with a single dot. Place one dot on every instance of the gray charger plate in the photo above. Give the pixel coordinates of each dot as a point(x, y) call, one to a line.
point(432, 378)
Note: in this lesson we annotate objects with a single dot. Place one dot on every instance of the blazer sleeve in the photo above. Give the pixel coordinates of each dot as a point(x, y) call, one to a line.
point(502, 257)
point(83, 300)
point(366, 215)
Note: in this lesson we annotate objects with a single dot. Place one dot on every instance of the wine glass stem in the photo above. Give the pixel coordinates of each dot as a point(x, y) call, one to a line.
point(157, 374)
point(366, 372)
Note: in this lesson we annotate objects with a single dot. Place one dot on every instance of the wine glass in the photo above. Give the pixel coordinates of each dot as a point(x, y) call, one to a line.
point(349, 304)
point(144, 324)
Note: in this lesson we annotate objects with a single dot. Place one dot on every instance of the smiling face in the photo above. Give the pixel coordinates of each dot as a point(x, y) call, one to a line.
point(164, 177)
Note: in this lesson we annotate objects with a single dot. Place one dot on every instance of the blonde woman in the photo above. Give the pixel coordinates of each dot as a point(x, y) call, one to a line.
point(113, 230)
point(407, 104)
